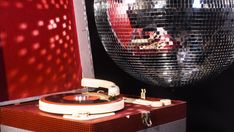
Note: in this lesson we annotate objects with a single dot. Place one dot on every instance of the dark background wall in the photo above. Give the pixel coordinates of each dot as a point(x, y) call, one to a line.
point(210, 103)
point(3, 84)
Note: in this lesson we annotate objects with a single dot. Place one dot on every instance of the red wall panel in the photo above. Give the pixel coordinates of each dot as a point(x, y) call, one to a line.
point(39, 48)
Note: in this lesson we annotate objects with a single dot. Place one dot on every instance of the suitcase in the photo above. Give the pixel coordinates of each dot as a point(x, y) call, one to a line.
point(131, 119)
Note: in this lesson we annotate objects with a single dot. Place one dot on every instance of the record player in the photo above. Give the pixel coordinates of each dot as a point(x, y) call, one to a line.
point(84, 104)
point(47, 77)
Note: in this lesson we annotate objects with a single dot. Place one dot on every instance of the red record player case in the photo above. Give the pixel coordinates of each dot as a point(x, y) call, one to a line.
point(165, 119)
point(44, 48)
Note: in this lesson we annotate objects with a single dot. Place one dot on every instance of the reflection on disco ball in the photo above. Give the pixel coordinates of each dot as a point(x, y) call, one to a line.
point(167, 42)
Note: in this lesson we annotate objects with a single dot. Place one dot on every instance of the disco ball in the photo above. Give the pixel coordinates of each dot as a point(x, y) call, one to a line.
point(167, 42)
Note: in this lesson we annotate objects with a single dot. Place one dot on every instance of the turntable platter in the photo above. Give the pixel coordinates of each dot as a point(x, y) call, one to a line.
point(71, 103)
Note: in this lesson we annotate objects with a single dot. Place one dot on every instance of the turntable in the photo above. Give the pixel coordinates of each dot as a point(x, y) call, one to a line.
point(83, 104)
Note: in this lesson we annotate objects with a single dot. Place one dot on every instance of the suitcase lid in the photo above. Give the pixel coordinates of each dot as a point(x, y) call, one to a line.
point(44, 48)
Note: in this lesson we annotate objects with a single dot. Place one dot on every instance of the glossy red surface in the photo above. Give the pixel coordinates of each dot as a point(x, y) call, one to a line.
point(38, 48)
point(120, 22)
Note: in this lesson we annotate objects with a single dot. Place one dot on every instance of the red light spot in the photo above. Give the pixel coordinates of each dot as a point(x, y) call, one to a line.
point(58, 61)
point(12, 88)
point(50, 27)
point(65, 45)
point(43, 52)
point(52, 46)
point(32, 60)
point(36, 46)
point(49, 57)
point(68, 37)
point(53, 1)
point(4, 4)
point(52, 40)
point(74, 76)
point(39, 6)
point(69, 84)
point(64, 76)
point(57, 37)
point(64, 55)
point(48, 70)
point(64, 33)
point(60, 41)
point(45, 90)
point(39, 79)
point(64, 25)
point(58, 51)
point(23, 52)
point(61, 2)
point(13, 73)
point(65, 17)
point(19, 5)
point(24, 95)
point(40, 23)
point(35, 32)
point(57, 6)
point(40, 66)
point(55, 88)
point(23, 26)
point(19, 39)
point(52, 21)
point(57, 19)
point(23, 79)
point(72, 49)
point(54, 25)
point(69, 27)
point(61, 68)
point(69, 61)
point(44, 1)
point(3, 35)
point(46, 6)
point(54, 77)
point(71, 41)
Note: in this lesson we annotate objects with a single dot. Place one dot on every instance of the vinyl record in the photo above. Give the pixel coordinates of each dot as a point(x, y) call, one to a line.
point(70, 103)
point(75, 98)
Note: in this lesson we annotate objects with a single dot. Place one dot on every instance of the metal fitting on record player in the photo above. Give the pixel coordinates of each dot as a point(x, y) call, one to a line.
point(143, 93)
point(146, 120)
